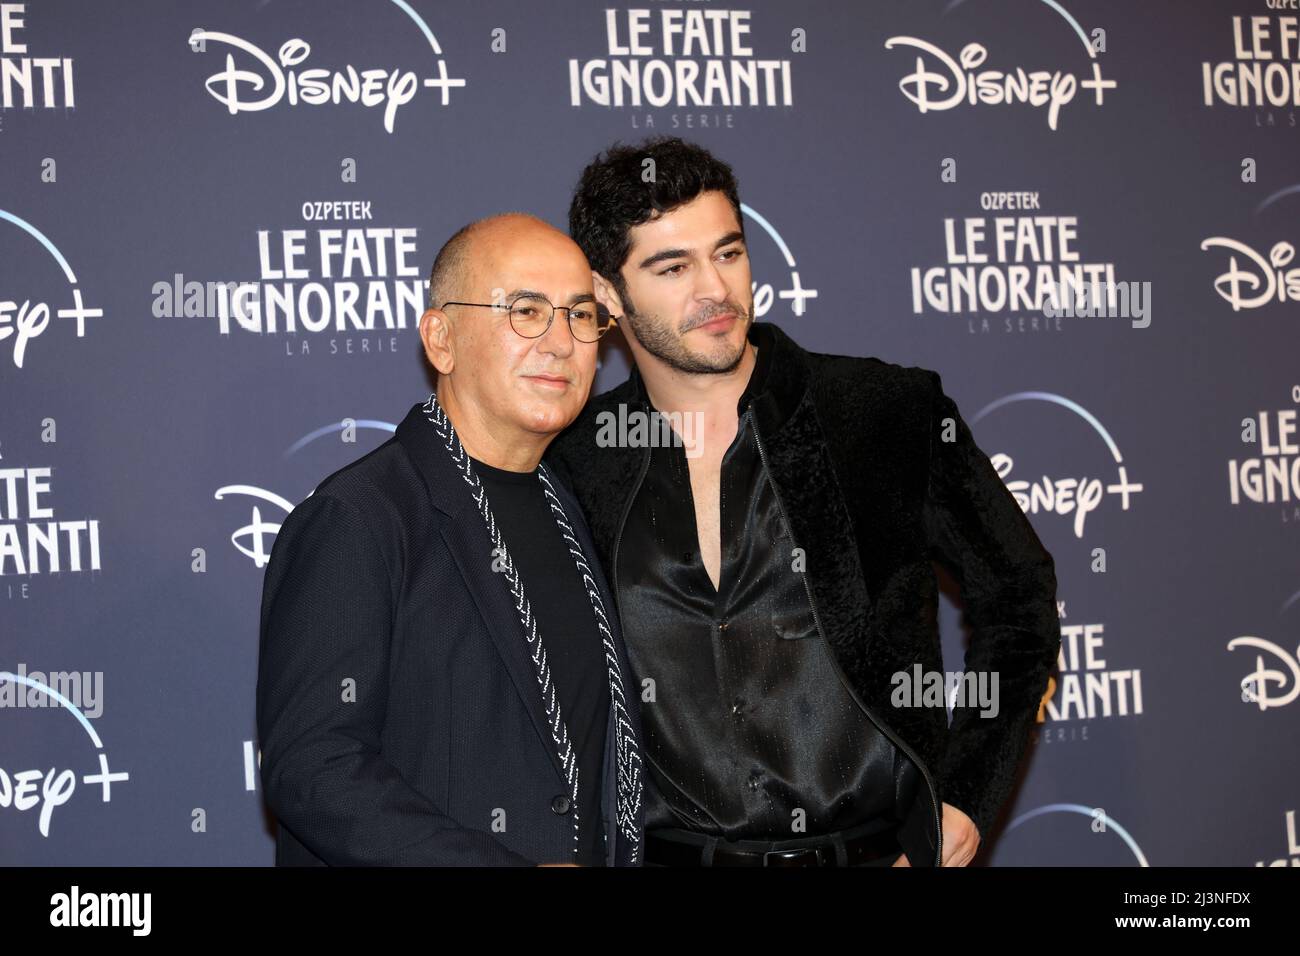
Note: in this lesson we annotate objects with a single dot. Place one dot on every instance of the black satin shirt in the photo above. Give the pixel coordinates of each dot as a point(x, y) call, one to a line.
point(750, 722)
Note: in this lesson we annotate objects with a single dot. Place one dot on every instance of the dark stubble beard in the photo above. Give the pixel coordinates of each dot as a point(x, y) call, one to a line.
point(667, 346)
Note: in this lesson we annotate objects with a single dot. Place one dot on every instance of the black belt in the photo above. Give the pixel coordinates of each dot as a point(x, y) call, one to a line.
point(672, 847)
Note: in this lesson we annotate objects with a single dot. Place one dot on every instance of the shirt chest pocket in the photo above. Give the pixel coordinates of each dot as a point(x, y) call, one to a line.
point(792, 617)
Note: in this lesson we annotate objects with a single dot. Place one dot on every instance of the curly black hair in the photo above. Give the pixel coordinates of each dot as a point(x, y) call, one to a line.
point(612, 196)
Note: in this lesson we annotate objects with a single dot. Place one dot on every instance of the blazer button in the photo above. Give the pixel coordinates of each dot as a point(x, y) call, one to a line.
point(561, 804)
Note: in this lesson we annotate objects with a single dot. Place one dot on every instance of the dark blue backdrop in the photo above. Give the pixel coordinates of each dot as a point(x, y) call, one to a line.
point(152, 436)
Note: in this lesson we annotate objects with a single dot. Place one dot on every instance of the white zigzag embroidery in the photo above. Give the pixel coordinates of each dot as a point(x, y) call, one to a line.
point(626, 755)
point(628, 759)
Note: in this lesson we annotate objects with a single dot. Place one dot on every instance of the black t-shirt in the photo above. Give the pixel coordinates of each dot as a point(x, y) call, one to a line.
point(566, 625)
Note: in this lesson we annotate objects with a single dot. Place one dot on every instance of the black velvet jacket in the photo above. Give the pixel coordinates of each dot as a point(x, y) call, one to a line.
point(874, 493)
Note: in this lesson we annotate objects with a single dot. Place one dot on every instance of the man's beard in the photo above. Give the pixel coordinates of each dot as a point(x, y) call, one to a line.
point(667, 346)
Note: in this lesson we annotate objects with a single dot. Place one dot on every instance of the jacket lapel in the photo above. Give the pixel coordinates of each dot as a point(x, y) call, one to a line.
point(623, 721)
point(801, 467)
point(470, 546)
point(800, 463)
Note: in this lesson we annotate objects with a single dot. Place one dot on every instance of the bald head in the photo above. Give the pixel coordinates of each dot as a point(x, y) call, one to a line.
point(461, 259)
point(507, 391)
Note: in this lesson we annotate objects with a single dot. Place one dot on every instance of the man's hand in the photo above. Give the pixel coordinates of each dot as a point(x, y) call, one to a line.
point(961, 839)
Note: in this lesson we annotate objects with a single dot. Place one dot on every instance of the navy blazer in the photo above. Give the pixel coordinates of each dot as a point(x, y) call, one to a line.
point(399, 716)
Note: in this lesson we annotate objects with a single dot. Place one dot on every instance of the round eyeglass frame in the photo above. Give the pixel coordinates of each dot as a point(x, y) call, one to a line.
point(609, 320)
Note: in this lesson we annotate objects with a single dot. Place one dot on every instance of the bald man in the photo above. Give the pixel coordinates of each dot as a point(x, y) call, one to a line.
point(442, 679)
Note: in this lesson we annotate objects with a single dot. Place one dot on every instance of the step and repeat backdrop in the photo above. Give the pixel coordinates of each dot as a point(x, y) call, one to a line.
point(216, 225)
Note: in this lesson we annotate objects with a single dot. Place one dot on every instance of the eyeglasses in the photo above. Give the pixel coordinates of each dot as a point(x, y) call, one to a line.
point(531, 316)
